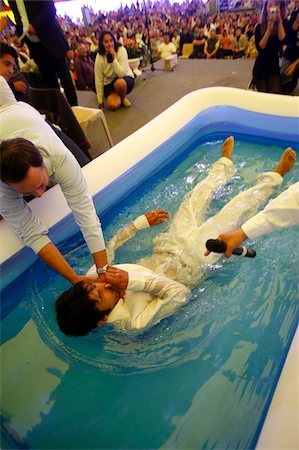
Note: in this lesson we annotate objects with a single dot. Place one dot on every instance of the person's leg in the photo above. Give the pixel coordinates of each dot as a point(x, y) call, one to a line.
point(191, 211)
point(48, 75)
point(244, 205)
point(50, 69)
point(61, 68)
point(122, 87)
point(260, 83)
point(274, 84)
point(113, 101)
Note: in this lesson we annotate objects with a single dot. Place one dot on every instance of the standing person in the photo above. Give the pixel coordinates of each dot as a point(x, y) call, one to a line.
point(36, 25)
point(27, 165)
point(113, 76)
point(84, 69)
point(269, 36)
point(290, 60)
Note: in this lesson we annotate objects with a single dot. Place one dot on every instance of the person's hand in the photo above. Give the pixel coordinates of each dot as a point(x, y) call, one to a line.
point(232, 239)
point(157, 216)
point(20, 86)
point(296, 23)
point(291, 69)
point(79, 278)
point(31, 29)
point(278, 16)
point(111, 51)
point(270, 24)
point(118, 277)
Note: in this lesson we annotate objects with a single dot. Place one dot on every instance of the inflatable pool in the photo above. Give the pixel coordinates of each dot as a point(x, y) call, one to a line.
point(202, 115)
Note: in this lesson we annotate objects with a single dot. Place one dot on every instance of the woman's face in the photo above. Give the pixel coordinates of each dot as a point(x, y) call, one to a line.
point(108, 43)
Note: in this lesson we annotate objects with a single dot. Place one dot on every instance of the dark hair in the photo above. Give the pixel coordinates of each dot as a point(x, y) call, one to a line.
point(77, 314)
point(7, 50)
point(16, 157)
point(102, 50)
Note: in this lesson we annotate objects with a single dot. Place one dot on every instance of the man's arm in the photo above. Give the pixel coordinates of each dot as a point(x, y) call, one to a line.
point(281, 212)
point(54, 259)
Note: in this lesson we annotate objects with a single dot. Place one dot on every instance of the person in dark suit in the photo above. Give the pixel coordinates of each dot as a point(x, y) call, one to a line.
point(36, 25)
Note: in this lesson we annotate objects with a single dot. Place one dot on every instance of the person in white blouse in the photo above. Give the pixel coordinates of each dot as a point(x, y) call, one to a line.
point(114, 78)
point(136, 296)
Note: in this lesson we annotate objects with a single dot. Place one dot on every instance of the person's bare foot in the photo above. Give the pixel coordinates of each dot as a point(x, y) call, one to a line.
point(286, 162)
point(227, 147)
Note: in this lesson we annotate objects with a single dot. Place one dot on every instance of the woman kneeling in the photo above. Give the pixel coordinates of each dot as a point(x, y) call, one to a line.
point(113, 77)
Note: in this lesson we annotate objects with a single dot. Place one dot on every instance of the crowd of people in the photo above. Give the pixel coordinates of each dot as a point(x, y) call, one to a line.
point(158, 30)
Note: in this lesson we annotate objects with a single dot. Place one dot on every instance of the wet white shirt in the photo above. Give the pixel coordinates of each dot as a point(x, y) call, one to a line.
point(281, 212)
point(149, 298)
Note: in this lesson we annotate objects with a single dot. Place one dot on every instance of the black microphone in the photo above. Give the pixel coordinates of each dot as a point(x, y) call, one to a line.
point(218, 246)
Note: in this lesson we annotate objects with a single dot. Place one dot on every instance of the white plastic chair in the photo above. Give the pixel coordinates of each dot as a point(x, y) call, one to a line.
point(87, 116)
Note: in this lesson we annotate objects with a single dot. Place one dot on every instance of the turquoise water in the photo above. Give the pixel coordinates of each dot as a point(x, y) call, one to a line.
point(202, 378)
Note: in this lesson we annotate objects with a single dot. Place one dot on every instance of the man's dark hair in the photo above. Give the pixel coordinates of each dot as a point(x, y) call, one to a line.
point(77, 314)
point(102, 50)
point(16, 157)
point(7, 50)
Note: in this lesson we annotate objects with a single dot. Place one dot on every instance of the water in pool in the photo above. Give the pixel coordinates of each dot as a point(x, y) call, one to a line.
point(202, 378)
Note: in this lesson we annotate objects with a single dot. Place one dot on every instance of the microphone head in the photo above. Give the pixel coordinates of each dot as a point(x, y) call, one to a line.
point(216, 245)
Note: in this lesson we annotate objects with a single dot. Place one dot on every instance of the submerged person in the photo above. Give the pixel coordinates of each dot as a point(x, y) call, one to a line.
point(137, 296)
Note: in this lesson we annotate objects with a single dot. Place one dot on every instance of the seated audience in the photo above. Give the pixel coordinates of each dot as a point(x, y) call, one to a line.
point(84, 68)
point(198, 45)
point(251, 51)
point(226, 44)
point(167, 48)
point(240, 44)
point(211, 46)
point(186, 38)
point(176, 39)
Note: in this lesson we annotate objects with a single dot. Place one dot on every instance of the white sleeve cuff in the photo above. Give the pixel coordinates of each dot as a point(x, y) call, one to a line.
point(141, 222)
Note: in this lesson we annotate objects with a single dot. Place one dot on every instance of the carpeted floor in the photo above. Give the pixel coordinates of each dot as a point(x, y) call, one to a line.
point(155, 91)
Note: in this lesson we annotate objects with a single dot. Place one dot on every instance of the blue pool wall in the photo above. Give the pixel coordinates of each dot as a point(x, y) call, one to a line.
point(212, 123)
